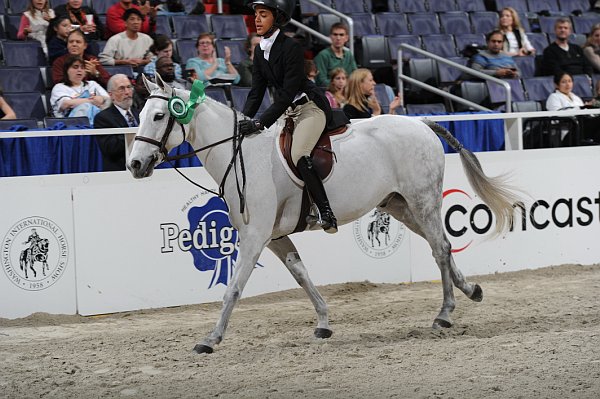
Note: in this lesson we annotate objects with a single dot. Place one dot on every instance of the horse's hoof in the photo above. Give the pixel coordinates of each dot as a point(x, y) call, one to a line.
point(199, 348)
point(323, 332)
point(477, 294)
point(440, 323)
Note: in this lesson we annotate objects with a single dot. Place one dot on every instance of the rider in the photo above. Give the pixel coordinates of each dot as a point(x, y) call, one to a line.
point(34, 238)
point(279, 62)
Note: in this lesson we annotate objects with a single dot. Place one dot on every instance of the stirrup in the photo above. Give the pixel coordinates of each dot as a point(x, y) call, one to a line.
point(329, 223)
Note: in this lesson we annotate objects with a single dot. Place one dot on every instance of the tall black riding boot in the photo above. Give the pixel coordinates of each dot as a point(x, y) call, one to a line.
point(317, 191)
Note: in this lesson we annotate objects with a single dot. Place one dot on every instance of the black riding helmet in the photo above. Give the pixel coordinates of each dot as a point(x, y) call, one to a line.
point(282, 9)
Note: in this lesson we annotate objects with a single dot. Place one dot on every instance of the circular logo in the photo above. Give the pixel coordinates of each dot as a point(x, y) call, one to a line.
point(378, 234)
point(35, 253)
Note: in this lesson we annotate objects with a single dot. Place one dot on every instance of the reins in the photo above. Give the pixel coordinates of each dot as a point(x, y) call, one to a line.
point(236, 139)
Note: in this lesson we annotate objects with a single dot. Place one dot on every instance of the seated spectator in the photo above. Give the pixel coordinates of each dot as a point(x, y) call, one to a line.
point(162, 47)
point(208, 66)
point(336, 88)
point(120, 113)
point(494, 61)
point(591, 50)
point(336, 55)
point(140, 92)
point(562, 56)
point(245, 67)
point(83, 17)
point(130, 47)
point(310, 70)
point(516, 42)
point(114, 17)
point(75, 96)
point(35, 21)
point(563, 97)
point(76, 45)
point(362, 101)
point(6, 111)
point(166, 69)
point(56, 37)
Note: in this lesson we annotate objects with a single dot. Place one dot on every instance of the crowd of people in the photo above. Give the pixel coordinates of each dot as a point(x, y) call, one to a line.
point(69, 36)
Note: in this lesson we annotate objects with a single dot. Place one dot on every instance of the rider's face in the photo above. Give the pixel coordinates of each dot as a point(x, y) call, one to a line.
point(263, 19)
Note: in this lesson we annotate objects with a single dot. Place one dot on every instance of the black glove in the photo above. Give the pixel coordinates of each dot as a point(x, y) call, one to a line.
point(247, 127)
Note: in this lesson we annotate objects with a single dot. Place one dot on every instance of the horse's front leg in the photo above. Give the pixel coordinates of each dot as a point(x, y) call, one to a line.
point(286, 251)
point(249, 252)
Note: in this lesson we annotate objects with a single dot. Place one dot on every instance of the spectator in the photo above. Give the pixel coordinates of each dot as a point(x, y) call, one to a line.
point(335, 56)
point(35, 21)
point(516, 42)
point(310, 70)
point(562, 56)
point(130, 47)
point(162, 47)
point(166, 69)
point(75, 96)
point(494, 61)
point(120, 114)
point(591, 50)
point(140, 92)
point(336, 88)
point(245, 67)
point(207, 65)
point(56, 37)
point(76, 45)
point(595, 103)
point(6, 111)
point(360, 92)
point(114, 17)
point(83, 17)
point(563, 97)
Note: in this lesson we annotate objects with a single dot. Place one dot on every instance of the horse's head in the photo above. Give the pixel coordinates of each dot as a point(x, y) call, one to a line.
point(161, 125)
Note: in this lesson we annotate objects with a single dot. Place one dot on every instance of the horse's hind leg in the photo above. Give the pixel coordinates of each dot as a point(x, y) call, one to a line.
point(426, 222)
point(286, 251)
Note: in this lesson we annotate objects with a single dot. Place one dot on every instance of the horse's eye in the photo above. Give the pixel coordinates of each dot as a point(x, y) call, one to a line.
point(158, 117)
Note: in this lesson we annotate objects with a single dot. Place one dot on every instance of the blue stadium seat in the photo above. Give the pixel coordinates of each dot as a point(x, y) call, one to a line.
point(518, 5)
point(524, 22)
point(465, 40)
point(392, 23)
point(484, 21)
point(442, 45)
point(363, 24)
point(29, 123)
point(100, 44)
point(324, 22)
point(115, 69)
point(547, 23)
point(21, 79)
point(539, 88)
point(411, 5)
point(442, 6)
point(395, 41)
point(2, 10)
point(373, 52)
point(18, 6)
point(163, 26)
point(11, 23)
point(217, 93)
point(23, 53)
point(526, 65)
point(423, 23)
point(470, 5)
point(498, 94)
point(583, 23)
point(421, 109)
point(228, 26)
point(189, 5)
point(189, 26)
point(582, 86)
point(538, 40)
point(541, 5)
point(456, 22)
point(186, 50)
point(569, 6)
point(393, 6)
point(101, 6)
point(72, 122)
point(27, 104)
point(382, 97)
point(449, 73)
point(237, 47)
point(307, 8)
point(424, 70)
point(239, 95)
point(351, 6)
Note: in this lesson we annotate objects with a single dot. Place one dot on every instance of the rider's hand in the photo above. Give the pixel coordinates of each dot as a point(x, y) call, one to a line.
point(249, 126)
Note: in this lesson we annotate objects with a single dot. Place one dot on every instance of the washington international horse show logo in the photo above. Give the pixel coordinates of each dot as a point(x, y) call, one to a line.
point(35, 253)
point(209, 237)
point(378, 234)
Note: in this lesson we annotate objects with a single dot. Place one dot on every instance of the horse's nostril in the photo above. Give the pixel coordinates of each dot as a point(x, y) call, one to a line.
point(136, 165)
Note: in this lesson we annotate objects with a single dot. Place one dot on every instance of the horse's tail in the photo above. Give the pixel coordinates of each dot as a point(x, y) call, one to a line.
point(494, 191)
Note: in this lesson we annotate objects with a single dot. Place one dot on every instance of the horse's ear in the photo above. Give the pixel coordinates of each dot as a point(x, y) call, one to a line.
point(164, 86)
point(150, 86)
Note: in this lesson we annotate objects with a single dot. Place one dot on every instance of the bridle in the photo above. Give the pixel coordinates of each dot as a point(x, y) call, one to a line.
point(236, 138)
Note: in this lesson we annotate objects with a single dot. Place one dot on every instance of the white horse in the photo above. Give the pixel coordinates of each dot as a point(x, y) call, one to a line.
point(404, 179)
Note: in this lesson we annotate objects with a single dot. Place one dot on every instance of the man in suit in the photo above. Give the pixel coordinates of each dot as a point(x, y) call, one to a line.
point(119, 114)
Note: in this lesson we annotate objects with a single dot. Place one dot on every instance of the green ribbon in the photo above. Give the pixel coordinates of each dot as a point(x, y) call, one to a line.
point(197, 96)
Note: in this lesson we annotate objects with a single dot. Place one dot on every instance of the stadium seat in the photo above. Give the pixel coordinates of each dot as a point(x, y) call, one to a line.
point(442, 6)
point(186, 49)
point(29, 123)
point(526, 106)
point(27, 104)
point(18, 6)
point(519, 5)
point(424, 70)
point(526, 66)
point(239, 95)
point(470, 5)
point(468, 39)
point(547, 23)
point(391, 23)
point(442, 45)
point(101, 6)
point(393, 6)
point(163, 26)
point(351, 6)
point(539, 88)
point(583, 23)
point(11, 24)
point(228, 26)
point(363, 24)
point(423, 23)
point(543, 5)
point(23, 53)
point(308, 9)
point(498, 94)
point(538, 40)
point(525, 22)
point(475, 92)
point(456, 23)
point(324, 22)
point(449, 73)
point(420, 109)
point(582, 86)
point(237, 47)
point(100, 44)
point(190, 4)
point(22, 79)
point(411, 5)
point(373, 52)
point(394, 44)
point(189, 26)
point(217, 93)
point(484, 21)
point(2, 11)
point(569, 6)
point(382, 97)
point(72, 122)
point(124, 69)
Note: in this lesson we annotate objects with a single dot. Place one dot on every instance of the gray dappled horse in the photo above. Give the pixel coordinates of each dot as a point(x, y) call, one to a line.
point(404, 179)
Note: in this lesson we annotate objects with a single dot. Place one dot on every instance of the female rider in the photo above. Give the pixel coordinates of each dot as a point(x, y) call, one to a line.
point(279, 62)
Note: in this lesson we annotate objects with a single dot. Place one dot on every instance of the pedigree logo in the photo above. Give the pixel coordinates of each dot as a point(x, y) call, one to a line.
point(466, 218)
